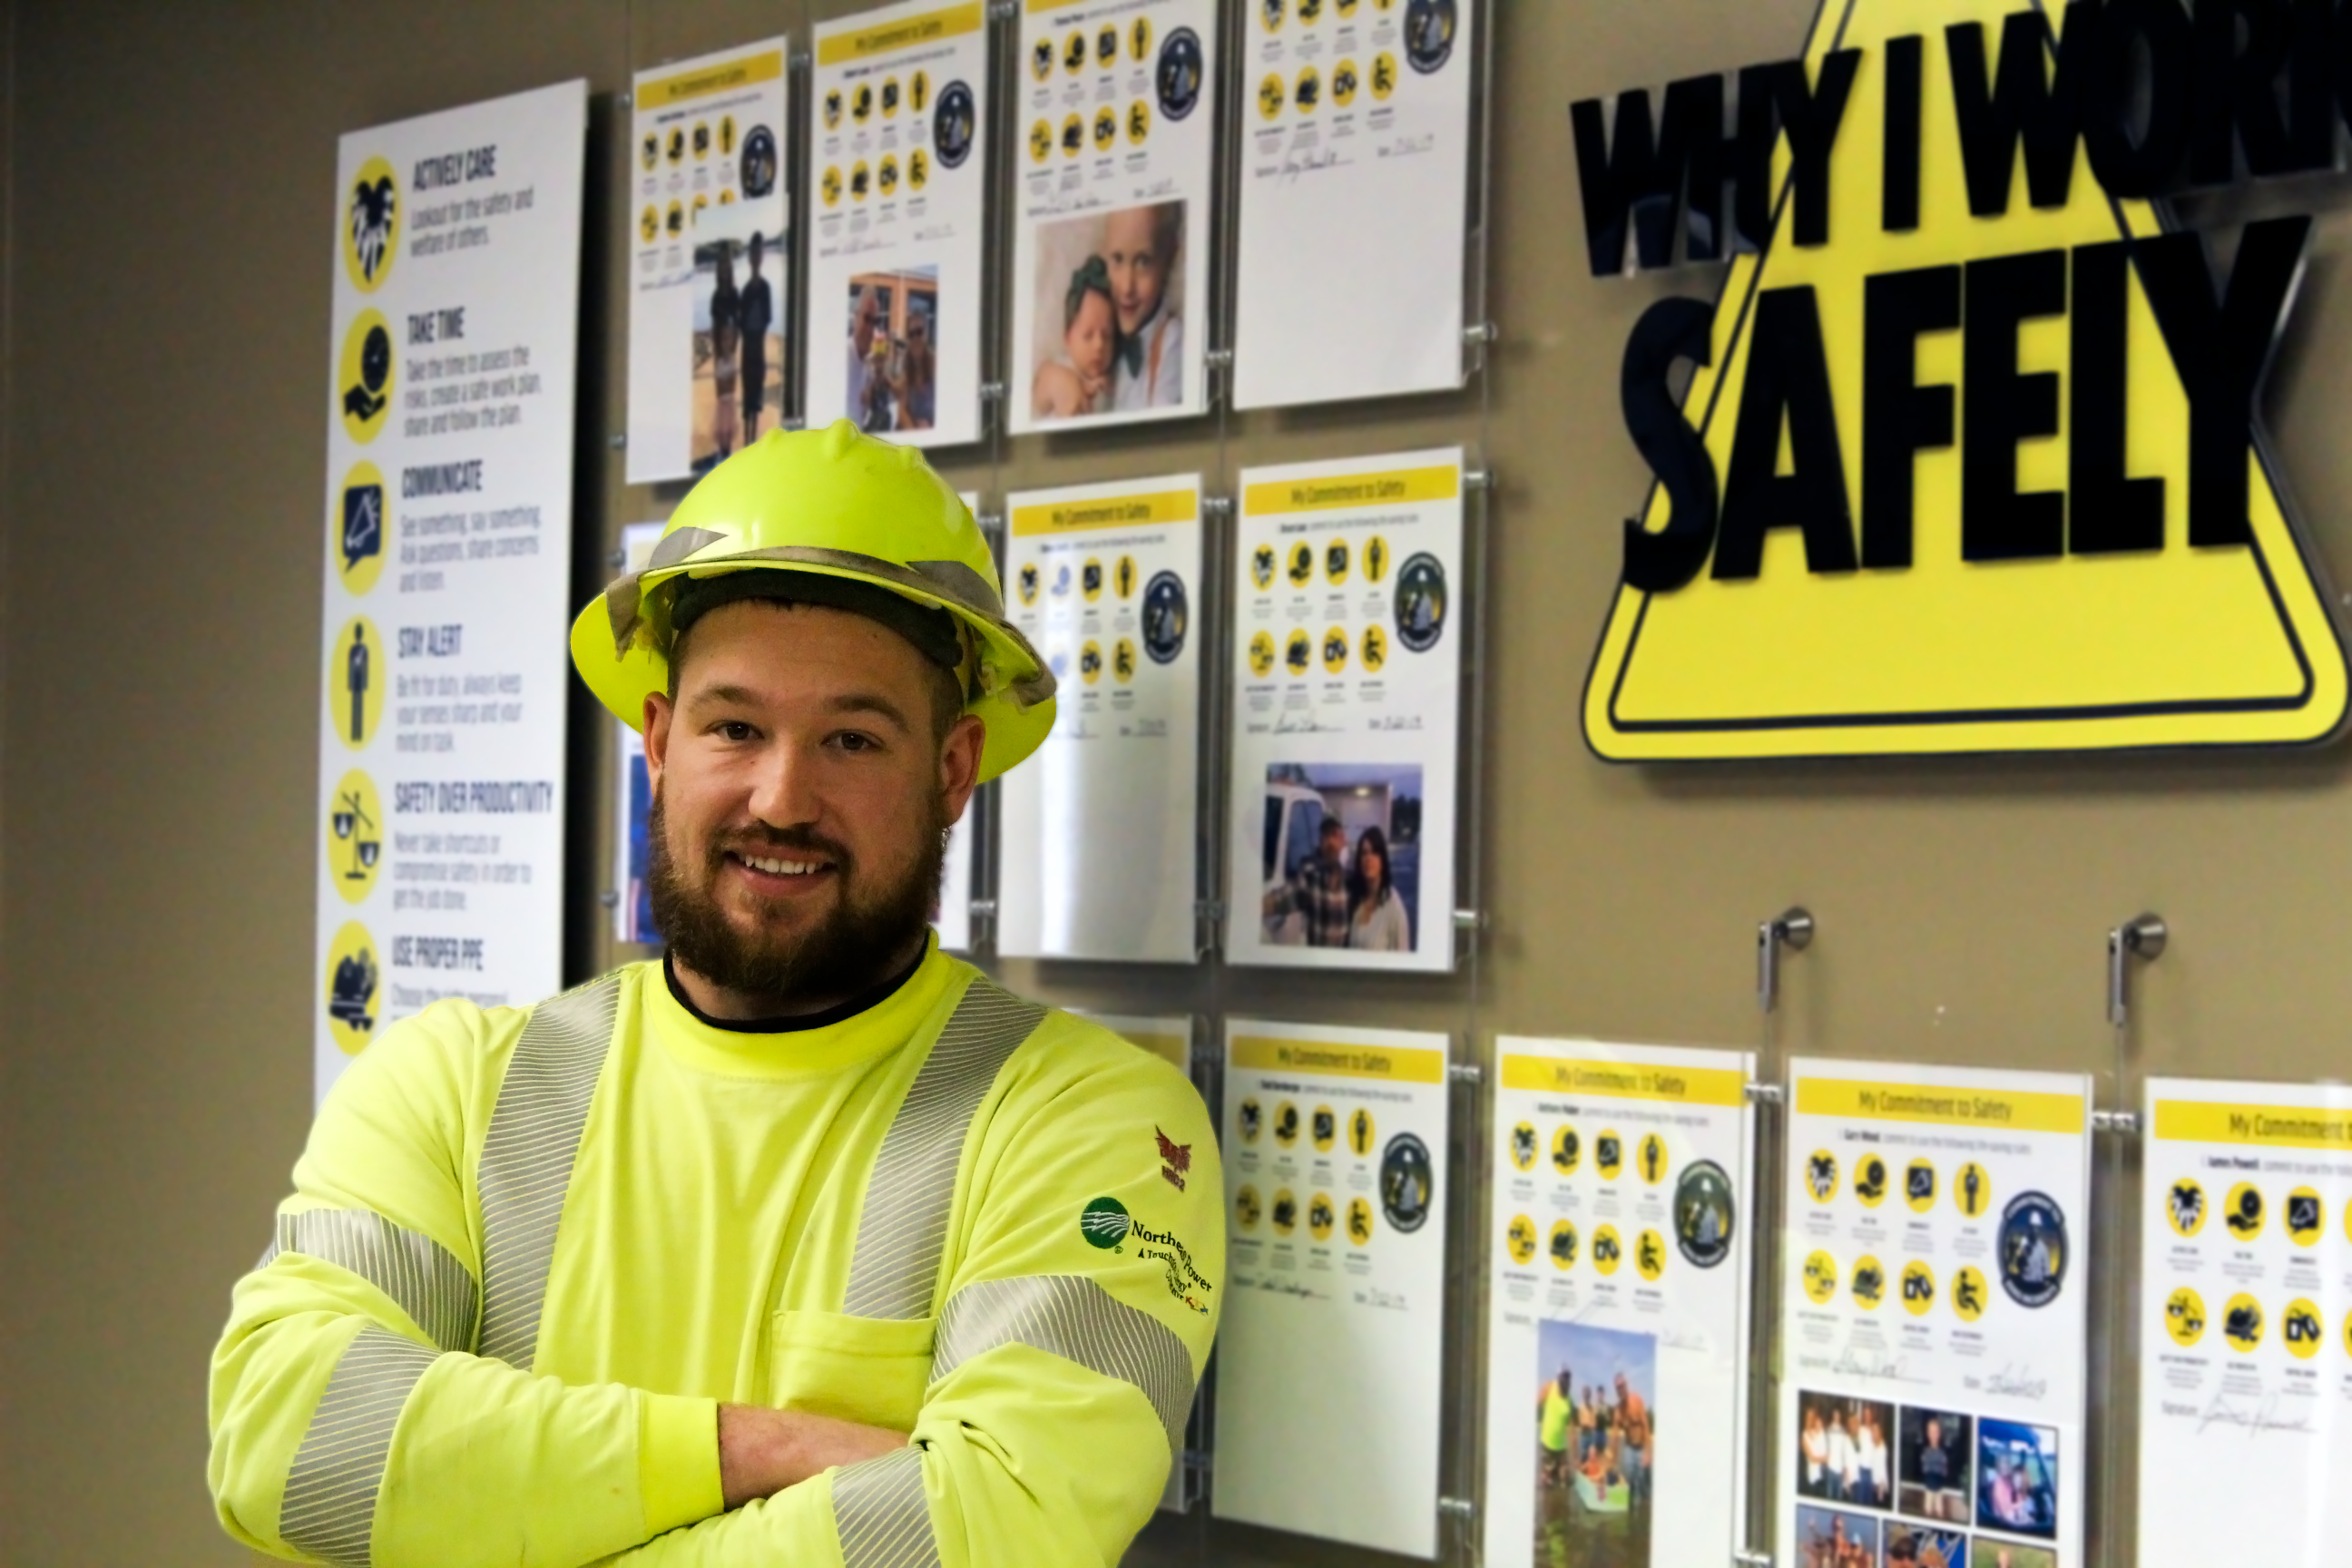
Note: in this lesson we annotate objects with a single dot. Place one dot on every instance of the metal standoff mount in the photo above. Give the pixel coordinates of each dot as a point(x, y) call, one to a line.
point(1792, 928)
point(2142, 937)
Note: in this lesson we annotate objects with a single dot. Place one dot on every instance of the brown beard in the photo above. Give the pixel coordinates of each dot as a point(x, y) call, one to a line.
point(857, 947)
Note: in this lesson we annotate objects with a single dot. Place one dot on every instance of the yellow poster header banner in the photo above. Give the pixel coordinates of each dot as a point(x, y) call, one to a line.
point(864, 43)
point(1990, 1109)
point(1106, 511)
point(701, 82)
point(2264, 1126)
point(1336, 493)
point(1625, 1081)
point(1398, 1064)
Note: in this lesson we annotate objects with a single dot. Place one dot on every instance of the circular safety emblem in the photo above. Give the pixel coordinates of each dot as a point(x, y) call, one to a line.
point(1703, 1213)
point(1165, 618)
point(1429, 34)
point(952, 128)
point(2033, 1250)
point(1420, 603)
point(1180, 73)
point(1408, 1182)
point(759, 166)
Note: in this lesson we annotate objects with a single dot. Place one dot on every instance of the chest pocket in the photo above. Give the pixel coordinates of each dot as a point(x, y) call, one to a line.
point(872, 1360)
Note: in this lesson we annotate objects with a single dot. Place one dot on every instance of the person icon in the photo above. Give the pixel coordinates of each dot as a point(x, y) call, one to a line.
point(1971, 1187)
point(364, 401)
point(1650, 1150)
point(355, 682)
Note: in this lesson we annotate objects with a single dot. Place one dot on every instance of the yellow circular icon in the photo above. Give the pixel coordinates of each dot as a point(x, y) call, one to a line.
point(1261, 654)
point(1270, 12)
point(1323, 1129)
point(1090, 662)
point(1286, 1211)
point(726, 198)
point(1359, 1221)
point(370, 226)
point(1321, 1218)
point(1074, 135)
point(2184, 1206)
point(889, 97)
point(1262, 566)
point(1122, 660)
point(701, 140)
point(861, 180)
point(918, 91)
point(1335, 561)
point(1608, 1156)
point(829, 184)
point(1105, 128)
point(1360, 1132)
point(649, 150)
point(1519, 1238)
point(350, 988)
point(2300, 1327)
point(677, 144)
point(1026, 582)
point(1073, 53)
point(1607, 1253)
point(1562, 1244)
point(1285, 1124)
point(1821, 1278)
point(1139, 39)
point(1919, 1185)
point(1522, 1147)
point(2244, 1212)
point(1308, 91)
point(1870, 1180)
point(2304, 1221)
point(2241, 1323)
point(1251, 1119)
point(1869, 1285)
point(861, 102)
point(1299, 653)
point(1335, 650)
point(1567, 1150)
point(1383, 75)
point(1650, 1158)
point(1650, 1255)
point(1311, 10)
point(919, 169)
point(1918, 1288)
point(1822, 1177)
point(1245, 1208)
point(675, 220)
point(727, 135)
point(1041, 59)
point(1343, 83)
point(1302, 564)
point(833, 109)
point(1138, 120)
point(364, 378)
point(356, 677)
point(887, 174)
point(1091, 579)
point(700, 202)
point(1041, 142)
point(1123, 577)
point(1271, 96)
point(649, 224)
point(1376, 559)
point(1972, 1190)
point(2184, 1316)
point(1375, 649)
point(1346, 7)
point(360, 528)
point(354, 837)
point(1969, 1296)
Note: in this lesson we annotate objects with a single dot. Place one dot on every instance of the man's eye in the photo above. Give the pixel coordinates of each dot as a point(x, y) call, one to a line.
point(851, 741)
point(734, 729)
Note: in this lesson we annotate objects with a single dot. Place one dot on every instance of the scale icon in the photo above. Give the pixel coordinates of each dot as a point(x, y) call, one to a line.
point(355, 847)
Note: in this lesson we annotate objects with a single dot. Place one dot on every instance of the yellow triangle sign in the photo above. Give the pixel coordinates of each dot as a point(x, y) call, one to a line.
point(2188, 643)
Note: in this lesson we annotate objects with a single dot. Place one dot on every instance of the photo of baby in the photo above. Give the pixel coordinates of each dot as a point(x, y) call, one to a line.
point(1109, 335)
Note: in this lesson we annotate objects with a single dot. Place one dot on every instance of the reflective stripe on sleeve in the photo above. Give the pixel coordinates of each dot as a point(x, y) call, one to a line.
point(528, 1155)
point(903, 1228)
point(1071, 1316)
point(421, 1276)
point(330, 1508)
point(881, 1514)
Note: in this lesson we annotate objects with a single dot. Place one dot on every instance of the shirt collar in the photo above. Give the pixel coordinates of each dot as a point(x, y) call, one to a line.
point(871, 1025)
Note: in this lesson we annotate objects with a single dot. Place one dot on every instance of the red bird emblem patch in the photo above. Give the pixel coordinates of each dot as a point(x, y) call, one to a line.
point(1177, 1158)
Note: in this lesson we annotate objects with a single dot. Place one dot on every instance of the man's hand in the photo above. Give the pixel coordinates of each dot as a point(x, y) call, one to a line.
point(763, 1451)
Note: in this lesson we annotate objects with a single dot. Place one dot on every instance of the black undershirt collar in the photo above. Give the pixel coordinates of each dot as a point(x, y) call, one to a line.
point(794, 1022)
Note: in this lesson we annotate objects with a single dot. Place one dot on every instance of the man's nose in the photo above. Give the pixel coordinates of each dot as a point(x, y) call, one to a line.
point(784, 791)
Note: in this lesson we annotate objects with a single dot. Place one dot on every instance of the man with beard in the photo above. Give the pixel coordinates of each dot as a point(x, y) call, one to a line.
point(804, 1243)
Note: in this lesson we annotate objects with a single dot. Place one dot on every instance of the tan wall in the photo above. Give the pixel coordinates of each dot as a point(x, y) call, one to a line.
point(168, 174)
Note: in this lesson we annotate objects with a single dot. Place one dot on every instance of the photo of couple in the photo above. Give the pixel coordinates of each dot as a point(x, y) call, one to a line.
point(1109, 335)
point(739, 349)
point(894, 333)
point(1342, 862)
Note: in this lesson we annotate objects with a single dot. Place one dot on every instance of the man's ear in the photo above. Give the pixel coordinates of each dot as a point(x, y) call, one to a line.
point(658, 711)
point(958, 763)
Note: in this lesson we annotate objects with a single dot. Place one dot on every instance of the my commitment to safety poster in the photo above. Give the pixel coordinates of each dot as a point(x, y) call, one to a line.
point(1355, 181)
point(449, 575)
point(1098, 843)
point(897, 170)
point(1114, 221)
point(1347, 672)
point(1330, 1355)
point(1933, 1345)
point(710, 244)
point(1617, 1339)
point(2245, 1330)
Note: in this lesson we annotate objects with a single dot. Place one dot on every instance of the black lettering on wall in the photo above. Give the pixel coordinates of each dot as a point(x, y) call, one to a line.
point(1787, 384)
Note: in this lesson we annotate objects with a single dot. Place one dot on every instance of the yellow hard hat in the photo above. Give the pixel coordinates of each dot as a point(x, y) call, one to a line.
point(832, 503)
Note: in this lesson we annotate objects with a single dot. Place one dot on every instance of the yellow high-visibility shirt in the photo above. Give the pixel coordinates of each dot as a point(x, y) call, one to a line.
point(529, 1250)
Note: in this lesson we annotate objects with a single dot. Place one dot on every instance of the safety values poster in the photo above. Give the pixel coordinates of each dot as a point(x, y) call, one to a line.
point(447, 582)
point(1098, 842)
point(1114, 223)
point(2245, 1425)
point(1355, 177)
point(898, 168)
point(1347, 671)
point(1329, 1354)
point(1617, 1369)
point(1932, 1340)
point(709, 241)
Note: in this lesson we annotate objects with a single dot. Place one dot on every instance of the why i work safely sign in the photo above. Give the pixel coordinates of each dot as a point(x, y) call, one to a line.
point(1970, 457)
